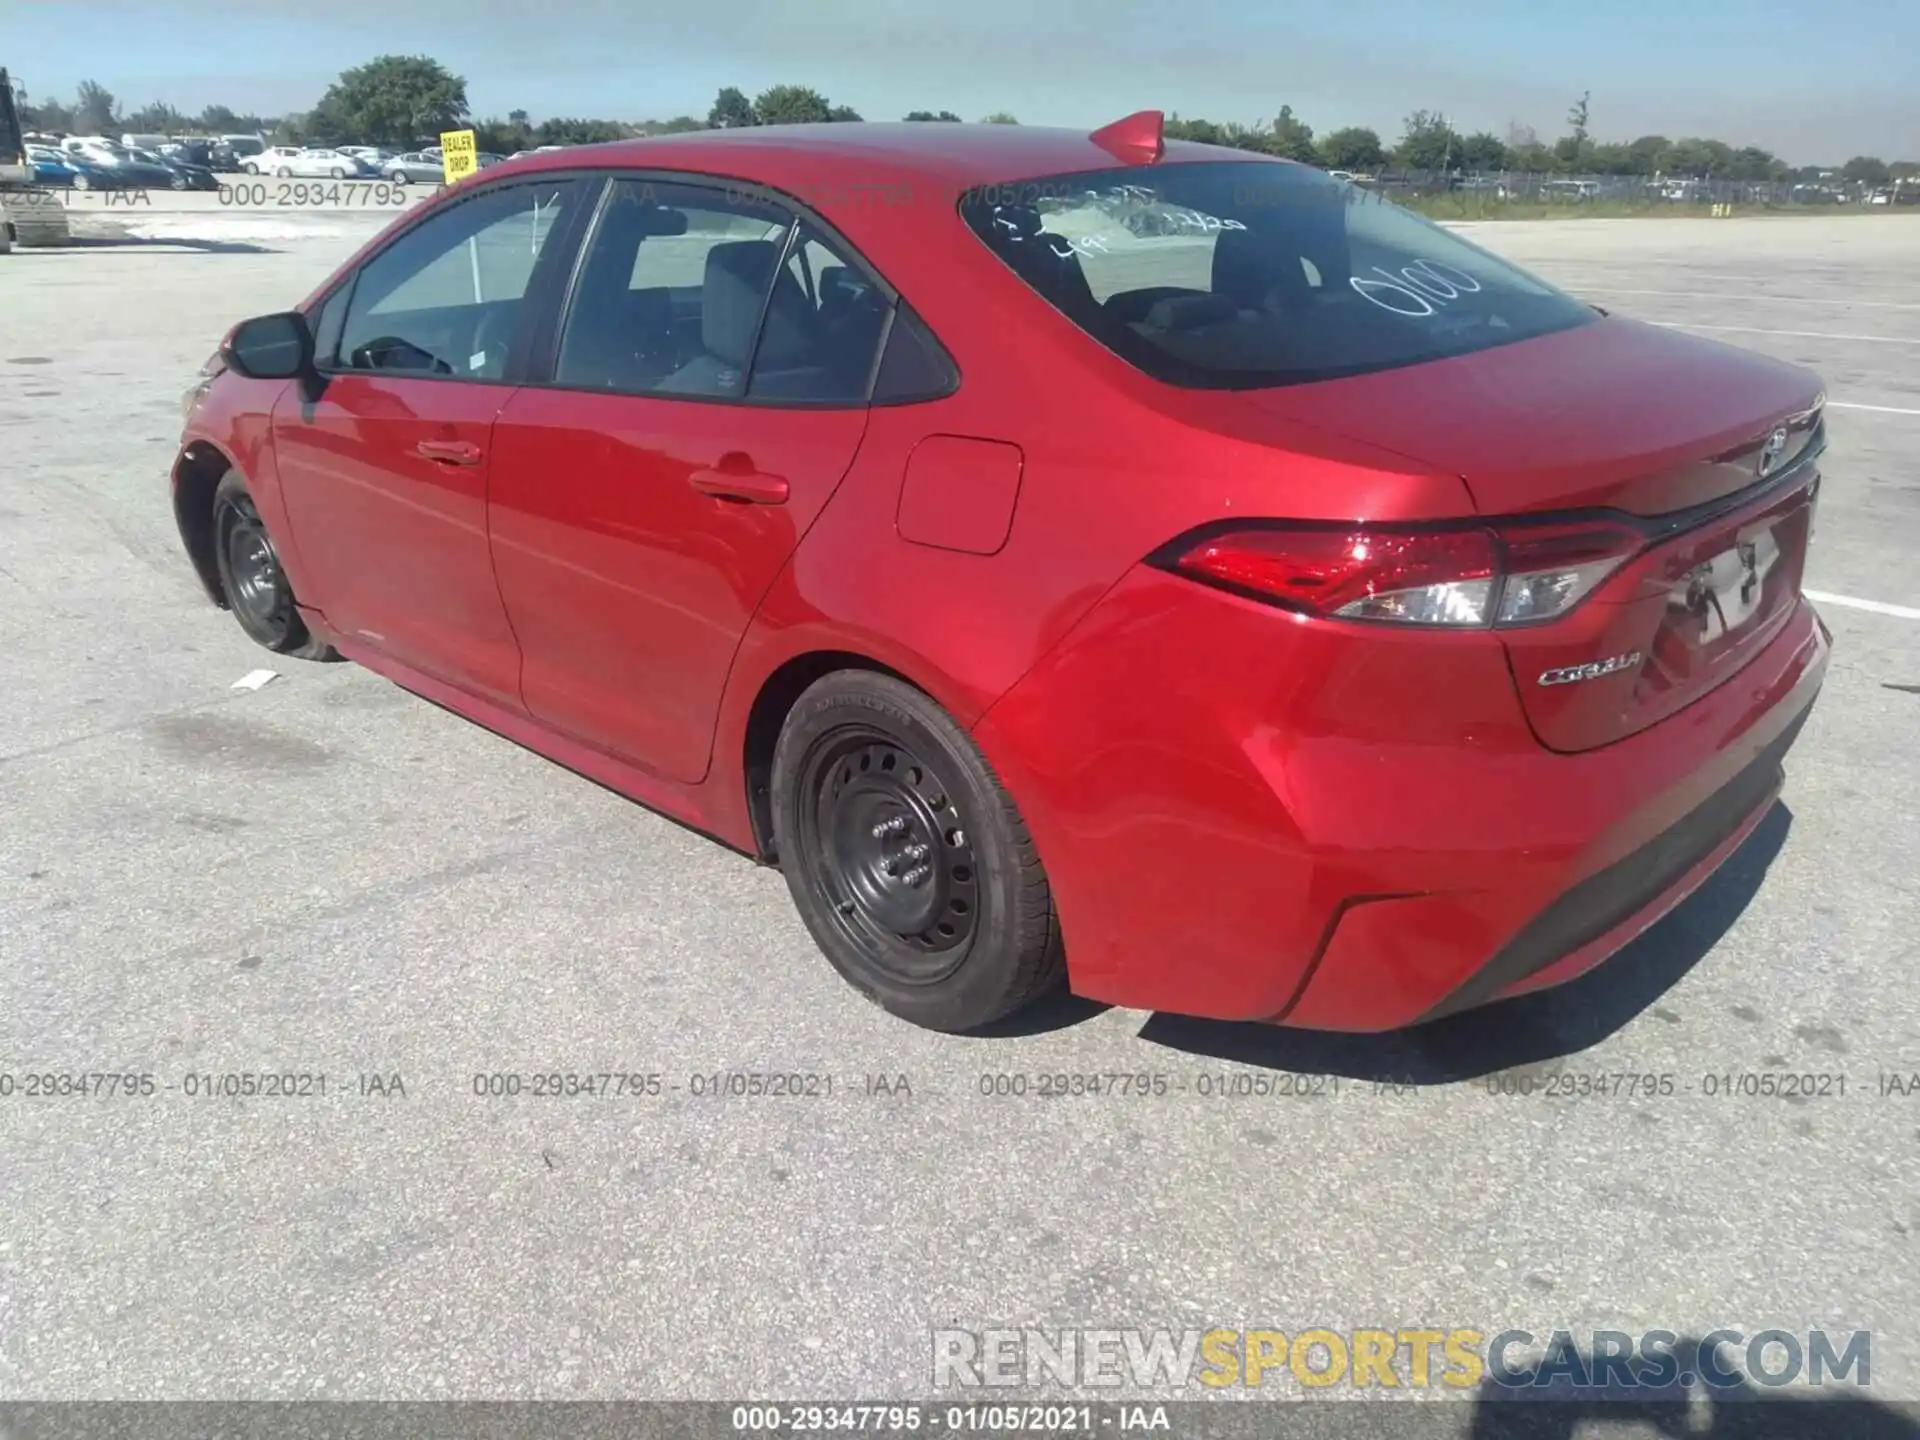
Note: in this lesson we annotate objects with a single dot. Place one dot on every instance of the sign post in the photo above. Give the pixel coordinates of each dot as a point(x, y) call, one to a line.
point(459, 157)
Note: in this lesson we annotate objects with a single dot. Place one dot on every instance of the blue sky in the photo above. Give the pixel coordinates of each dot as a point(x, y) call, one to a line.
point(1812, 82)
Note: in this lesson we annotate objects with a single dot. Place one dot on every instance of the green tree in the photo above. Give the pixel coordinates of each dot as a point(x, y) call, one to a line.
point(1292, 138)
point(1245, 137)
point(1577, 120)
point(1483, 150)
point(1644, 154)
point(1200, 132)
point(1865, 170)
point(1354, 148)
point(98, 113)
point(998, 117)
point(159, 118)
point(843, 113)
point(395, 100)
point(1610, 158)
point(1904, 169)
point(791, 105)
point(570, 131)
point(1696, 159)
point(1430, 143)
point(944, 115)
point(50, 115)
point(731, 109)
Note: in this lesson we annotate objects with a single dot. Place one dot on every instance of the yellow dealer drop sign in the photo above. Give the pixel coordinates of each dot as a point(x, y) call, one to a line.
point(458, 156)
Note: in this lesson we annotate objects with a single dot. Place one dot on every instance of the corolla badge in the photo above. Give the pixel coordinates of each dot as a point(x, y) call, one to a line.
point(1771, 452)
point(1592, 670)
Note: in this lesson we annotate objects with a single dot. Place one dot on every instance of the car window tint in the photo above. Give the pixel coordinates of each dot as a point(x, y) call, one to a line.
point(444, 299)
point(822, 328)
point(670, 292)
point(1239, 274)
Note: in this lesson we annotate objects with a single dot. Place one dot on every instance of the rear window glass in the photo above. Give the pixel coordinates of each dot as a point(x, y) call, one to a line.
point(1234, 275)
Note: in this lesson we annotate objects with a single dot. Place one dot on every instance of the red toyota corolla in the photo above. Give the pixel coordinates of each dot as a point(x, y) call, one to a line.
point(1067, 556)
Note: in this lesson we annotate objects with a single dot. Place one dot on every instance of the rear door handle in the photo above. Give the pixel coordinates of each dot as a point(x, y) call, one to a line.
point(449, 452)
point(745, 485)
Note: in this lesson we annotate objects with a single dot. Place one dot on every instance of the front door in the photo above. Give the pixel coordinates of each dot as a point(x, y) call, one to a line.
point(385, 475)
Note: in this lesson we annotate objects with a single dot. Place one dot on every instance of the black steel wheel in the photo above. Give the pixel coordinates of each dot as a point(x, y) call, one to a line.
point(892, 852)
point(251, 576)
point(907, 859)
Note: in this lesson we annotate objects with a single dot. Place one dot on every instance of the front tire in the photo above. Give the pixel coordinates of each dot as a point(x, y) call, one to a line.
point(251, 578)
point(337, 173)
point(908, 861)
point(283, 173)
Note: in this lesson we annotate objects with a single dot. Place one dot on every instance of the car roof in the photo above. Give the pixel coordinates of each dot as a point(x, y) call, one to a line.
point(853, 152)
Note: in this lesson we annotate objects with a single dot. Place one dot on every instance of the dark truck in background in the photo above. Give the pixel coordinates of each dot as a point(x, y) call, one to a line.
point(30, 214)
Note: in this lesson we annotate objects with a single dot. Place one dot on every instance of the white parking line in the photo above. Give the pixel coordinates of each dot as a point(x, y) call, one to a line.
point(1802, 334)
point(1876, 409)
point(1877, 607)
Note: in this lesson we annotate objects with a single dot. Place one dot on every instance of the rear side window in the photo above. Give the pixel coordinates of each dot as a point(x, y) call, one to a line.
point(696, 293)
point(671, 290)
point(1238, 274)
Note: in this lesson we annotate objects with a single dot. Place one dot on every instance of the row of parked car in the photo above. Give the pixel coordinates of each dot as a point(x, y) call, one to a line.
point(98, 162)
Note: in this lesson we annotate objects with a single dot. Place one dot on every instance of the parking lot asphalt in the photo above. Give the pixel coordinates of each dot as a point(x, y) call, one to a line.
point(329, 876)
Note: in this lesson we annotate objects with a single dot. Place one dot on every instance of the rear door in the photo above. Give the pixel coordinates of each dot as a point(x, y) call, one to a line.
point(385, 474)
point(708, 392)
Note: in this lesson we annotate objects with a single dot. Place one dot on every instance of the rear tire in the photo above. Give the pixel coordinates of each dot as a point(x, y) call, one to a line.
point(908, 861)
point(256, 587)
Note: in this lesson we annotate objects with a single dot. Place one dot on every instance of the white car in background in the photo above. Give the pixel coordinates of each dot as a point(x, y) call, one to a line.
point(289, 161)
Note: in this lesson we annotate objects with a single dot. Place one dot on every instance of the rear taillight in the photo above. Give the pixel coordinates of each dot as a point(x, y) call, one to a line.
point(1500, 573)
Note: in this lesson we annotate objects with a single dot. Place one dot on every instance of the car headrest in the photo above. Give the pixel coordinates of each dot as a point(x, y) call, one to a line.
point(1243, 267)
point(736, 279)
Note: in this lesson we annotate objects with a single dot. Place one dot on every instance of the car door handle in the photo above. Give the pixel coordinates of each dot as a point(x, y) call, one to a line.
point(744, 485)
point(449, 452)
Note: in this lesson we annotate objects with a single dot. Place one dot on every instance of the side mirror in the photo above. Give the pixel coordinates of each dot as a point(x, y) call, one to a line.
point(271, 347)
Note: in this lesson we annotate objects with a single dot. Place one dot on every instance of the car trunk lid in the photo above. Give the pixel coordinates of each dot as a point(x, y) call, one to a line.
point(1709, 451)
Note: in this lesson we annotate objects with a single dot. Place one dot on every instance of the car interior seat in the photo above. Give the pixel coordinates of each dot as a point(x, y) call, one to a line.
point(737, 274)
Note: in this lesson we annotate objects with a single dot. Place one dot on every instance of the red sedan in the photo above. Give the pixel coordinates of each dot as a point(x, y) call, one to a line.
point(1069, 557)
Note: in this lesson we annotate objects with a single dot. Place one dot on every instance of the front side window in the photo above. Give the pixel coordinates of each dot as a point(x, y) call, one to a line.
point(445, 298)
point(1241, 274)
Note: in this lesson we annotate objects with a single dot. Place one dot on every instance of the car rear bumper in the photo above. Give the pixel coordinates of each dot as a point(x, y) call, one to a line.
point(1251, 816)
